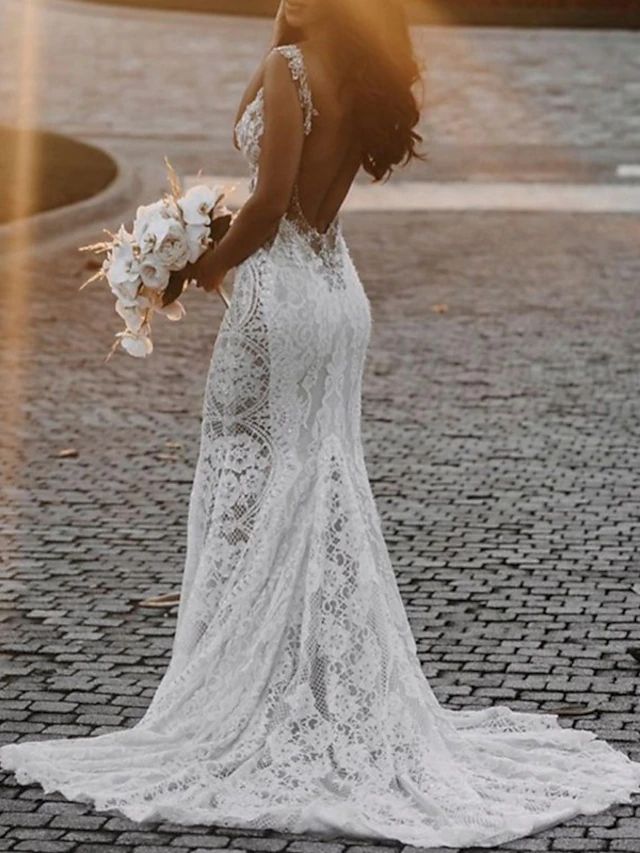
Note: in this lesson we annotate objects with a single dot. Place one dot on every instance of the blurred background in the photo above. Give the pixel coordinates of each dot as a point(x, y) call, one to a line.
point(536, 13)
point(56, 78)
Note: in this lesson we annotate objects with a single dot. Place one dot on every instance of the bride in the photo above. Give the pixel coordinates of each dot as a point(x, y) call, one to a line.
point(294, 698)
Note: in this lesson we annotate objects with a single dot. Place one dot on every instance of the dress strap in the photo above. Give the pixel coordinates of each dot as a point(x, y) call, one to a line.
point(295, 59)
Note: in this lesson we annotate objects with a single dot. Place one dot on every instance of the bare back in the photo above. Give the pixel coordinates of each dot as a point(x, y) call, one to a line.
point(331, 156)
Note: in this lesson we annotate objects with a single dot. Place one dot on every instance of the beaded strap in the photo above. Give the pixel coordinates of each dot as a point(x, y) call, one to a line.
point(295, 59)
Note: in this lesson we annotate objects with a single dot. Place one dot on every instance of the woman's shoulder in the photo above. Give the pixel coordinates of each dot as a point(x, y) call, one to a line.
point(293, 51)
point(296, 61)
point(290, 52)
point(289, 47)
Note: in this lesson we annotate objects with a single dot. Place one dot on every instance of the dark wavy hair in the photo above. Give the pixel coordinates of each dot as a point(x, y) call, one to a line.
point(374, 46)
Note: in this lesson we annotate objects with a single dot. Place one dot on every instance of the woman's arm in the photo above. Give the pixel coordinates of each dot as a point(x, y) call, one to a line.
point(281, 150)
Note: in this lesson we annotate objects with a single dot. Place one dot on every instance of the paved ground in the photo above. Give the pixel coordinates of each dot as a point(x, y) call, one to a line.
point(501, 427)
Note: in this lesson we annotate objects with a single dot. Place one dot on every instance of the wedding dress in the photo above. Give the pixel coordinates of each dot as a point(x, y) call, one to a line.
point(294, 698)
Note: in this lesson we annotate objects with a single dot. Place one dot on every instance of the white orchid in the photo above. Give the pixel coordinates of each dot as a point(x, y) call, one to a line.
point(122, 264)
point(122, 267)
point(126, 293)
point(198, 240)
point(153, 222)
point(138, 344)
point(165, 208)
point(198, 203)
point(133, 315)
point(166, 236)
point(174, 311)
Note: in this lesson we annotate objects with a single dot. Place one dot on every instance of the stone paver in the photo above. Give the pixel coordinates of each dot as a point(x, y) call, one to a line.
point(501, 426)
point(501, 440)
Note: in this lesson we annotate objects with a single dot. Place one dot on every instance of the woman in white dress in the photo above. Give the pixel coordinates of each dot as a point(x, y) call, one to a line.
point(294, 699)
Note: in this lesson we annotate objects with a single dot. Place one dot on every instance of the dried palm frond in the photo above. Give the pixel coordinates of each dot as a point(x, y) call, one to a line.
point(174, 180)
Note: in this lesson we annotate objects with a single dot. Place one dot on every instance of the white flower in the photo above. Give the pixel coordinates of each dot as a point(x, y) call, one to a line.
point(133, 315)
point(139, 263)
point(154, 273)
point(153, 222)
point(147, 298)
point(122, 269)
point(164, 208)
point(198, 203)
point(173, 249)
point(123, 236)
point(122, 264)
point(137, 344)
point(197, 241)
point(126, 293)
point(174, 311)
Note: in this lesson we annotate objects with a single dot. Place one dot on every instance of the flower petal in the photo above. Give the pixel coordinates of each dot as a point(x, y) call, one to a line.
point(174, 311)
point(139, 346)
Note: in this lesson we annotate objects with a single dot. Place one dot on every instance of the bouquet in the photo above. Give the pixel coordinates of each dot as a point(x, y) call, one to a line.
point(142, 266)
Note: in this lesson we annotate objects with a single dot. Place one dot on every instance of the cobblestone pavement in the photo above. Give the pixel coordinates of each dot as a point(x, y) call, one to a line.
point(501, 437)
point(501, 427)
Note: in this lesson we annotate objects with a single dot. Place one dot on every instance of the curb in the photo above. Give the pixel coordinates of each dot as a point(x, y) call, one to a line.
point(59, 224)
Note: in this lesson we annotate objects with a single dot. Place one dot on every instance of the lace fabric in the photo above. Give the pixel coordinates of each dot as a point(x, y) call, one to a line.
point(295, 59)
point(294, 699)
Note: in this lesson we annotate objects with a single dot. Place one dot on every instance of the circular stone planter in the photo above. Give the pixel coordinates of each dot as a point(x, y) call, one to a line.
point(62, 171)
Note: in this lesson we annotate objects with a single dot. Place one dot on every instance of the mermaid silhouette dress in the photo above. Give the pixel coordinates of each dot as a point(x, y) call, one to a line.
point(294, 698)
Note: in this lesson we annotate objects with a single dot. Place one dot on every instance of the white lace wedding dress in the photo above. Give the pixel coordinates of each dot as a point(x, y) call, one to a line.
point(294, 699)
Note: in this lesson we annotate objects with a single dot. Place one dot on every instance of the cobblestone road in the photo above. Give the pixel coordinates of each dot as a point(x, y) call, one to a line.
point(501, 429)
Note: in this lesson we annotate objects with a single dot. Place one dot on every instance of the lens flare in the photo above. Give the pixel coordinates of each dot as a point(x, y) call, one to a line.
point(17, 279)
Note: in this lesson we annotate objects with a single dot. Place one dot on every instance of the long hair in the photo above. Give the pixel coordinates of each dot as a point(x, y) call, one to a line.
point(374, 46)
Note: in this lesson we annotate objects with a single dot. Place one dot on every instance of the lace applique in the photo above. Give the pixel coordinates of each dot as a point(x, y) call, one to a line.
point(326, 245)
point(250, 129)
point(293, 55)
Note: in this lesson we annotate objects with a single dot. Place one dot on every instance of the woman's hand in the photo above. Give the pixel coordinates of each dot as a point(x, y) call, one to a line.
point(207, 272)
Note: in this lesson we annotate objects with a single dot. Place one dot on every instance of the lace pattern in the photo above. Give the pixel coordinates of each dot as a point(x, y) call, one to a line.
point(294, 699)
point(294, 56)
point(324, 250)
point(250, 127)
